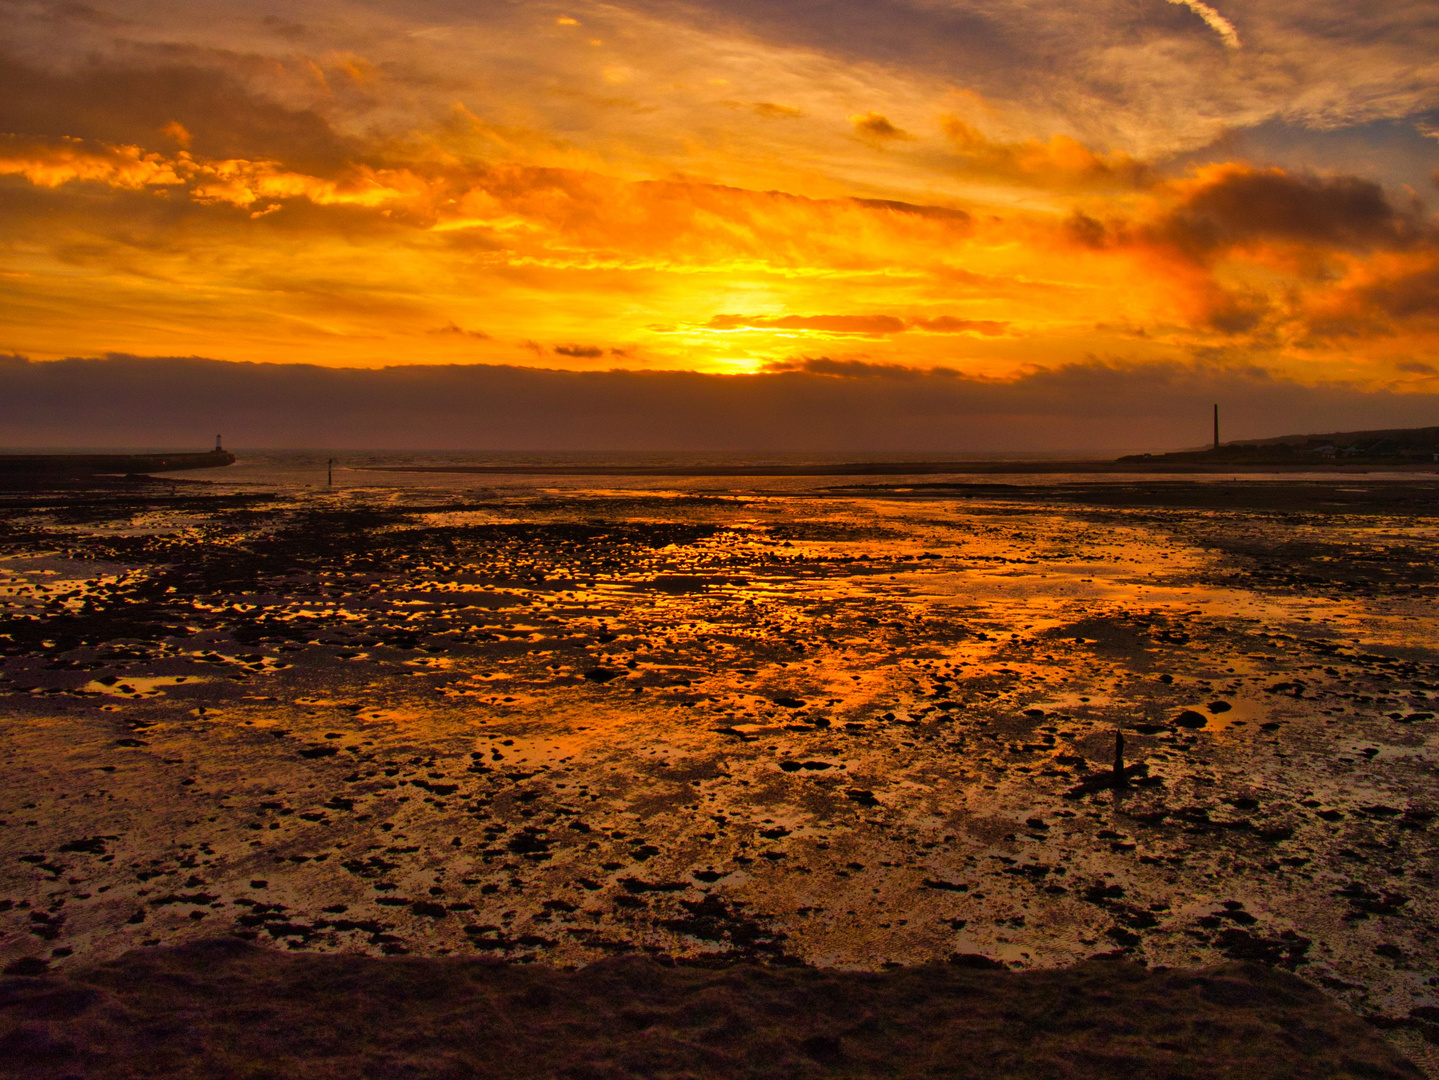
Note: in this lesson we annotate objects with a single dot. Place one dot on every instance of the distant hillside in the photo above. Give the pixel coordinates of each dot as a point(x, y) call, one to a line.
point(1419, 438)
point(1397, 446)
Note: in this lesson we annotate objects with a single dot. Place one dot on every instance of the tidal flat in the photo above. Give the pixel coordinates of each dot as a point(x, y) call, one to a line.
point(846, 727)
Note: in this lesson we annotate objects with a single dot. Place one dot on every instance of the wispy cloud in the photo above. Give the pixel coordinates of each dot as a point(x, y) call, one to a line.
point(1215, 21)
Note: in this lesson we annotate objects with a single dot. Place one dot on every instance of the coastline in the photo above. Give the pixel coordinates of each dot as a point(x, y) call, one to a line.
point(905, 468)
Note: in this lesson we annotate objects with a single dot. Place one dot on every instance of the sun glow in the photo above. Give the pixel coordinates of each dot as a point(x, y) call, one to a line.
point(672, 196)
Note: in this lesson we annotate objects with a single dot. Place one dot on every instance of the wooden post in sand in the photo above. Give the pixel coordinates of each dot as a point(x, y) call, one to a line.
point(1119, 780)
point(330, 473)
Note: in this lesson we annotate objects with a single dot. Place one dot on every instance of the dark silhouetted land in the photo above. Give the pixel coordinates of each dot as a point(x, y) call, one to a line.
point(1388, 448)
point(223, 1009)
point(48, 466)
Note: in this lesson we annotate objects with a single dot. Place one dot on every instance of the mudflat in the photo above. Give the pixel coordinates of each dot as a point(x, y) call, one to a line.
point(850, 728)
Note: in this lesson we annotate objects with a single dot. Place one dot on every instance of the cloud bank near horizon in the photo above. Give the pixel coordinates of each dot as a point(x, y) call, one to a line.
point(814, 404)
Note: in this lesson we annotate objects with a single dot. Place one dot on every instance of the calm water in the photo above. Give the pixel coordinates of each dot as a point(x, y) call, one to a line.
point(300, 469)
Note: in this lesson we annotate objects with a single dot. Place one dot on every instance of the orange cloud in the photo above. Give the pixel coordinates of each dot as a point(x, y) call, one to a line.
point(242, 183)
point(857, 324)
point(949, 324)
point(1286, 259)
point(875, 126)
point(52, 162)
point(1394, 293)
point(179, 133)
point(1061, 162)
point(833, 324)
point(357, 257)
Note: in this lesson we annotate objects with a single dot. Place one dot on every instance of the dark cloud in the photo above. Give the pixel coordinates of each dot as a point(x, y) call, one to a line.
point(1405, 296)
point(873, 125)
point(1243, 206)
point(767, 110)
point(819, 404)
point(1235, 312)
point(943, 213)
point(1233, 206)
point(847, 369)
point(459, 331)
point(583, 352)
point(1380, 304)
point(1086, 231)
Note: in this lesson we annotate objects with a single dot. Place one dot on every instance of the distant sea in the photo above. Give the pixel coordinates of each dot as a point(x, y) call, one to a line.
point(300, 469)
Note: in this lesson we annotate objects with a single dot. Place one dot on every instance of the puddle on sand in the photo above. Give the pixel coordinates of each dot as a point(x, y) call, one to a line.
point(561, 726)
point(138, 686)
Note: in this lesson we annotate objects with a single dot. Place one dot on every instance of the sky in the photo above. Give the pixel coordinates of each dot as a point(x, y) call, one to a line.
point(905, 197)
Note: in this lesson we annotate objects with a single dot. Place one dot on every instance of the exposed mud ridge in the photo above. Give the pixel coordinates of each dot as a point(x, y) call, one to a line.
point(772, 726)
point(222, 1009)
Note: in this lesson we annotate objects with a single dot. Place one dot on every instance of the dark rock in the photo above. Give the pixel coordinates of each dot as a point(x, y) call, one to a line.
point(976, 962)
point(635, 886)
point(825, 1049)
point(30, 966)
point(94, 845)
point(1286, 950)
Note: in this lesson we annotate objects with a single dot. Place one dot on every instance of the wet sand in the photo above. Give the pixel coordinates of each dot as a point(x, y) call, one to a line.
point(842, 728)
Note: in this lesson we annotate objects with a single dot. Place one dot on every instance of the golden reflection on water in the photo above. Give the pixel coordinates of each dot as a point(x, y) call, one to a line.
point(855, 722)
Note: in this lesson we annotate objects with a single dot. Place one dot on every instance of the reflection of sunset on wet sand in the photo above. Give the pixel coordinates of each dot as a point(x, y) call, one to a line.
point(845, 730)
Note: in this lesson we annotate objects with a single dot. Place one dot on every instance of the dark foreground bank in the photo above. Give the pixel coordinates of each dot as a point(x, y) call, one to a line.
point(223, 1009)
